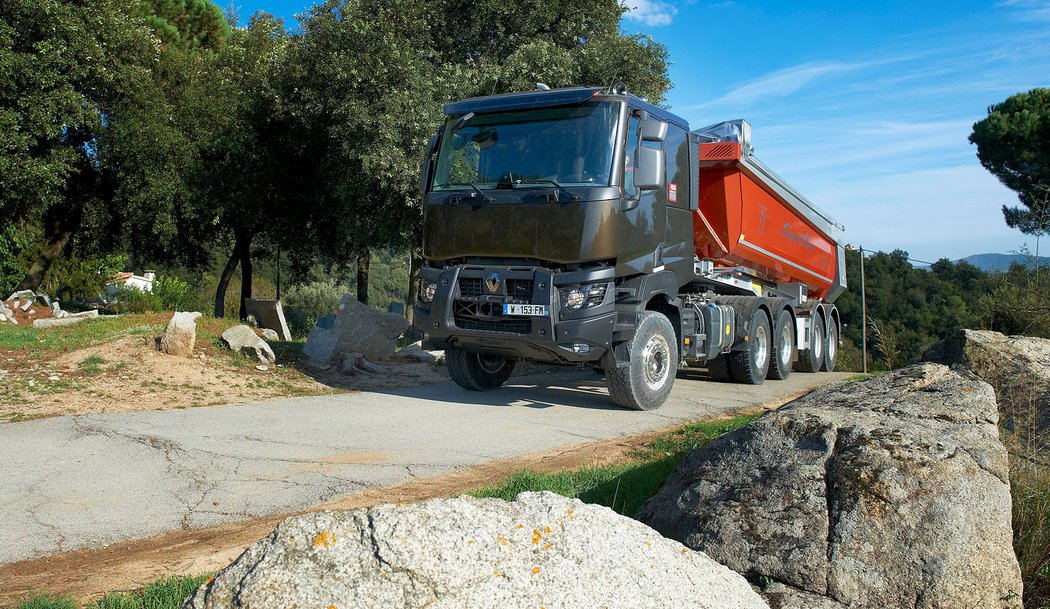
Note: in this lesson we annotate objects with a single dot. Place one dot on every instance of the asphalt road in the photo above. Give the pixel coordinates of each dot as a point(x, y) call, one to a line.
point(88, 481)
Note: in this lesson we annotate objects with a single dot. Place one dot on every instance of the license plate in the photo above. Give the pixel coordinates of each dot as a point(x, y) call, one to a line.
point(529, 310)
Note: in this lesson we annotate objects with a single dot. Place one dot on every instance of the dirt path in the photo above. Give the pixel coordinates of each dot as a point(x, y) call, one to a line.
point(87, 574)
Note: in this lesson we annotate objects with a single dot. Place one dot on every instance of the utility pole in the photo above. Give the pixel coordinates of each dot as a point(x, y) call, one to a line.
point(863, 313)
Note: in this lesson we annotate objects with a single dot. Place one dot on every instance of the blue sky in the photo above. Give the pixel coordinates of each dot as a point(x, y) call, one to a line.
point(864, 108)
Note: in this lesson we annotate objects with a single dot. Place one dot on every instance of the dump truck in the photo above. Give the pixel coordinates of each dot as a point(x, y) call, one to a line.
point(585, 226)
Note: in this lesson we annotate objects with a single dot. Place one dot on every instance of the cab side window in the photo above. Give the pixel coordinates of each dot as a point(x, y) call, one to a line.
point(628, 158)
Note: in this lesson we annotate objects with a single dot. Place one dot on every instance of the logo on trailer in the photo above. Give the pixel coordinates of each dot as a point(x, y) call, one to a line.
point(493, 282)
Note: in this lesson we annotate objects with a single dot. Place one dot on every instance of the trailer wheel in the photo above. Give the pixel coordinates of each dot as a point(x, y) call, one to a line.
point(477, 372)
point(718, 368)
point(783, 345)
point(646, 382)
point(751, 365)
point(810, 360)
point(831, 350)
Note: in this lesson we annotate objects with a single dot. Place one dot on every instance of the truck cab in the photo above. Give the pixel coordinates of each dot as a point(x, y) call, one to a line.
point(559, 228)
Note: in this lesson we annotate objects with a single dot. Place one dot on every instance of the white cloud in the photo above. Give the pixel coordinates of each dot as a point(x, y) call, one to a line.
point(650, 12)
point(779, 83)
point(1028, 10)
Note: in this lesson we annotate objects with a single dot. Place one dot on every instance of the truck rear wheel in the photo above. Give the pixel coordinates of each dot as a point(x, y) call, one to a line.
point(751, 365)
point(831, 350)
point(477, 372)
point(646, 382)
point(810, 360)
point(783, 346)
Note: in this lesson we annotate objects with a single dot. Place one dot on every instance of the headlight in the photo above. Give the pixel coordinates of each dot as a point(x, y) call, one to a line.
point(427, 291)
point(584, 297)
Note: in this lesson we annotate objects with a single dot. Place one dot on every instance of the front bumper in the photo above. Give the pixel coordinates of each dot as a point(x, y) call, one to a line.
point(468, 313)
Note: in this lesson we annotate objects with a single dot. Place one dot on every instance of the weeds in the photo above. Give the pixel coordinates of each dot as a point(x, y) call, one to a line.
point(624, 487)
point(91, 364)
point(167, 593)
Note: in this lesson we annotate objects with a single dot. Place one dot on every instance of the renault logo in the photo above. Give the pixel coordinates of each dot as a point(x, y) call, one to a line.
point(493, 282)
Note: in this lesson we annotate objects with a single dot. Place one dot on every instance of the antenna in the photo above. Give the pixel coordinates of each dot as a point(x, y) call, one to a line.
point(542, 87)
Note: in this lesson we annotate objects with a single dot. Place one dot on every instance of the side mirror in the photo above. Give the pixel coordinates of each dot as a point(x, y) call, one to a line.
point(427, 165)
point(652, 130)
point(649, 167)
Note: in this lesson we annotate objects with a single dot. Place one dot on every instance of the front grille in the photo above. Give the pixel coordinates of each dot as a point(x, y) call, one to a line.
point(520, 290)
point(470, 287)
point(506, 326)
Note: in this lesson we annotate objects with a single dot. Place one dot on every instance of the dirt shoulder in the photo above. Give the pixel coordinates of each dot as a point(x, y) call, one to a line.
point(88, 574)
point(113, 365)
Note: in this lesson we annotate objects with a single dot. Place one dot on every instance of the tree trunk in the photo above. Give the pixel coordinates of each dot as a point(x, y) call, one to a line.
point(48, 254)
point(362, 276)
point(227, 274)
point(246, 277)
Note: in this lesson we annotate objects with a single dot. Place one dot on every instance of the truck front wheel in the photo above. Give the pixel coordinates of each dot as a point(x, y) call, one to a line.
point(646, 381)
point(477, 372)
point(751, 365)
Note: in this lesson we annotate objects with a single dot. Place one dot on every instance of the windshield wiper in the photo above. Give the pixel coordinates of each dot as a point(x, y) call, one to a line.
point(477, 191)
point(558, 188)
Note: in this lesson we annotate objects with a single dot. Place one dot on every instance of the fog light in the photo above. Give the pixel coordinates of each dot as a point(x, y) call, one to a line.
point(580, 348)
point(427, 291)
point(575, 298)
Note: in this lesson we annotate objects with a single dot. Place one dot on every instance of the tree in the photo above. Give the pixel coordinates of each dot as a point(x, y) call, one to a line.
point(98, 135)
point(1013, 143)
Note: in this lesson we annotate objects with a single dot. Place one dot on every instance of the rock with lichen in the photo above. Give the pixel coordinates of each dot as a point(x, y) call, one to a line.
point(541, 550)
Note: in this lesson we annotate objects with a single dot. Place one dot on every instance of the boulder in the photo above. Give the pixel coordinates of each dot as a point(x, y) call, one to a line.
point(269, 314)
point(358, 328)
point(269, 334)
point(245, 341)
point(181, 334)
point(416, 353)
point(65, 320)
point(1017, 367)
point(887, 492)
point(542, 550)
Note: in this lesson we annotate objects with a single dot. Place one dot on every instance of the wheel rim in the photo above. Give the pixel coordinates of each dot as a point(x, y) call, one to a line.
point(656, 361)
point(491, 363)
point(832, 342)
point(785, 345)
point(761, 342)
point(818, 343)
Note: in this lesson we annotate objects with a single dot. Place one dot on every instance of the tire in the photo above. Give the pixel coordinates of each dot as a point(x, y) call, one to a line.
point(831, 348)
point(783, 346)
point(751, 365)
point(718, 368)
point(811, 360)
point(646, 382)
point(477, 372)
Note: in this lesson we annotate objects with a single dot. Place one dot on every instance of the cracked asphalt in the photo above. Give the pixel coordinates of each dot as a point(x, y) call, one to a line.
point(92, 480)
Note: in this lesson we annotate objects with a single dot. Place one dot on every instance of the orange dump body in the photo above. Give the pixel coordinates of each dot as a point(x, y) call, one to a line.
point(743, 221)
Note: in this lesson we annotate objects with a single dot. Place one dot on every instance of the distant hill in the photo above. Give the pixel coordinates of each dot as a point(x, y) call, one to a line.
point(1001, 262)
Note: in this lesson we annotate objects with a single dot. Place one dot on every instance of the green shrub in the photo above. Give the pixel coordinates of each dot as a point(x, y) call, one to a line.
point(131, 300)
point(174, 294)
point(304, 304)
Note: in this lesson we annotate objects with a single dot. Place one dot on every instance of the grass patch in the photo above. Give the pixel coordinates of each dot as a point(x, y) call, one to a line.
point(91, 363)
point(167, 593)
point(624, 487)
point(78, 336)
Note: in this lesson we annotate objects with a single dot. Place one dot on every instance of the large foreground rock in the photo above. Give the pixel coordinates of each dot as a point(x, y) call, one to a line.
point(886, 492)
point(542, 550)
point(1017, 367)
point(181, 334)
point(245, 341)
point(358, 328)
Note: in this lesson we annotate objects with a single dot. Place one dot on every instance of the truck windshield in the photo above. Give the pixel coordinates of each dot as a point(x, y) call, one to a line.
point(569, 146)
